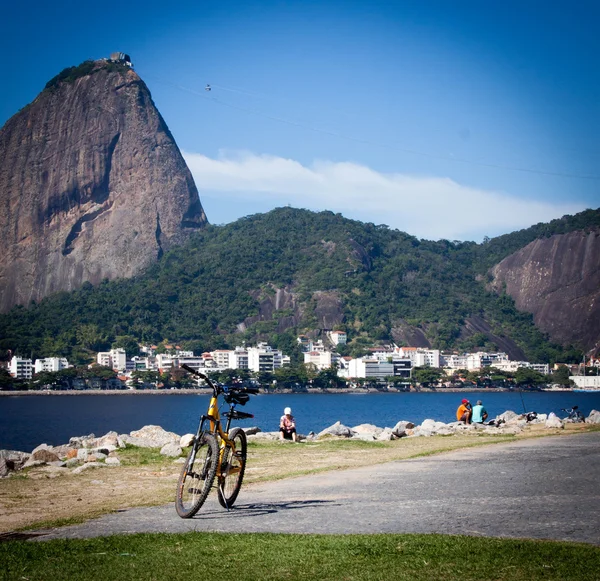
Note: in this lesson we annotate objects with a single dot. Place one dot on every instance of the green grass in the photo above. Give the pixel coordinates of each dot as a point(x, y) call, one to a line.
point(268, 557)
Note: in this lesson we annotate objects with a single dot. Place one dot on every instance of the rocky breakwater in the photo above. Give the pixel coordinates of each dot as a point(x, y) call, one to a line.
point(84, 453)
point(88, 452)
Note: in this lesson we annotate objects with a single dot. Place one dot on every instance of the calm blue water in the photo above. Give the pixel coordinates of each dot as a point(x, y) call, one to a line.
point(27, 421)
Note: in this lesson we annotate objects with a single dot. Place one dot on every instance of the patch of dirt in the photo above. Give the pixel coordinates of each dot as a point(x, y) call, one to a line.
point(43, 497)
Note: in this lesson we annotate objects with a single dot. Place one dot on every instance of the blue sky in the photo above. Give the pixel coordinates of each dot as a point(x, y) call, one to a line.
point(442, 119)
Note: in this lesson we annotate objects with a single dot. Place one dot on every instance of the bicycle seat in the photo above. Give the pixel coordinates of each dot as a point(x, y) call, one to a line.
point(238, 415)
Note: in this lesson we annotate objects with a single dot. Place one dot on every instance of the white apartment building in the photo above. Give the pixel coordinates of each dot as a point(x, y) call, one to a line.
point(320, 359)
point(116, 359)
point(338, 337)
point(374, 368)
point(420, 356)
point(265, 358)
point(21, 368)
point(223, 358)
point(50, 364)
point(512, 366)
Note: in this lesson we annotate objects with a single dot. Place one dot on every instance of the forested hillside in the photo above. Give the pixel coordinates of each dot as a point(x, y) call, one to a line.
point(272, 276)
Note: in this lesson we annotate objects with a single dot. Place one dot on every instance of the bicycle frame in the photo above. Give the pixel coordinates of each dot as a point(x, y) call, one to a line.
point(213, 417)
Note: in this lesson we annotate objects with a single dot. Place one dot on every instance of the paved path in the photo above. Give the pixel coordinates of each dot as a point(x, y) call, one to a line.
point(547, 488)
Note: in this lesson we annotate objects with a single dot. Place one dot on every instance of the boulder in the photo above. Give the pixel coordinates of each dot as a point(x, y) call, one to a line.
point(264, 436)
point(17, 459)
point(172, 450)
point(508, 416)
point(82, 441)
point(252, 430)
point(150, 437)
point(6, 467)
point(31, 463)
point(109, 440)
point(338, 429)
point(112, 461)
point(367, 429)
point(593, 418)
point(72, 462)
point(553, 421)
point(44, 455)
point(402, 426)
point(88, 466)
point(385, 435)
point(186, 440)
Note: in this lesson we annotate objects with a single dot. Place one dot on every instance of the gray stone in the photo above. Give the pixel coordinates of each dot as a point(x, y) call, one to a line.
point(110, 440)
point(186, 440)
point(172, 450)
point(367, 429)
point(112, 461)
point(44, 455)
point(6, 467)
point(251, 431)
point(402, 426)
point(82, 441)
point(338, 429)
point(553, 421)
point(593, 418)
point(31, 463)
point(156, 435)
point(88, 466)
point(385, 435)
point(82, 454)
point(507, 416)
point(72, 462)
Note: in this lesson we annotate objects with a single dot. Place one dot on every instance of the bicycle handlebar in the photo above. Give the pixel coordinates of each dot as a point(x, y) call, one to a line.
point(193, 371)
point(249, 390)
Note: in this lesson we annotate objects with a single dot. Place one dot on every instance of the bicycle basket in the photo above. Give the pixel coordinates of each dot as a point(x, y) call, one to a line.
point(237, 397)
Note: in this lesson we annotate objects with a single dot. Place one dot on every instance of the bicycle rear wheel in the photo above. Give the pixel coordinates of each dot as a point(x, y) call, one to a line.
point(233, 467)
point(197, 476)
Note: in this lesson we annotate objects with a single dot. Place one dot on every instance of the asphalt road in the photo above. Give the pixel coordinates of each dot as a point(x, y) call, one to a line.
point(547, 488)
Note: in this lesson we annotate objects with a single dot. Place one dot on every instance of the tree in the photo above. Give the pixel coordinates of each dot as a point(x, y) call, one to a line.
point(427, 375)
point(6, 380)
point(528, 376)
point(128, 343)
point(90, 337)
point(561, 376)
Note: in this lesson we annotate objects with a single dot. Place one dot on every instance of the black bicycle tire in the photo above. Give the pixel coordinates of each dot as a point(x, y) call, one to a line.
point(207, 444)
point(228, 496)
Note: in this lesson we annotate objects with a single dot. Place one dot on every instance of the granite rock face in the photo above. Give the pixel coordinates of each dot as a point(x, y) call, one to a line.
point(557, 279)
point(92, 186)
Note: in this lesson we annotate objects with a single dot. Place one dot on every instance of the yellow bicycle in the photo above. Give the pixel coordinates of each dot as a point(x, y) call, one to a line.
point(216, 452)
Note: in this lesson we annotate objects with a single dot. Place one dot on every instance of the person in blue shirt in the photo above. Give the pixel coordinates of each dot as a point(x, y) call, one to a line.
point(479, 413)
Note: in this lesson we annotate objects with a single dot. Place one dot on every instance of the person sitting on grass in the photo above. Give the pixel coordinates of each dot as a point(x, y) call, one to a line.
point(287, 425)
point(463, 413)
point(479, 413)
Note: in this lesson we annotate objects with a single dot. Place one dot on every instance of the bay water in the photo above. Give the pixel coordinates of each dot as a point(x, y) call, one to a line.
point(29, 420)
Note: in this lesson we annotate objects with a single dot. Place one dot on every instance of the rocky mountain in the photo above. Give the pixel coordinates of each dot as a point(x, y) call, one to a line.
point(92, 185)
point(557, 279)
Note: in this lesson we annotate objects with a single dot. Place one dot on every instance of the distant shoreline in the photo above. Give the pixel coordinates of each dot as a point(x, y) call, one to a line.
point(207, 391)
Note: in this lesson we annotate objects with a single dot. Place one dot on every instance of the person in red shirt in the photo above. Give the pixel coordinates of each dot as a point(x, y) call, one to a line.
point(287, 425)
point(464, 411)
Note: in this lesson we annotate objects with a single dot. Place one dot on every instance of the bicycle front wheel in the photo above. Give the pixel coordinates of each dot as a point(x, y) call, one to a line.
point(197, 476)
point(233, 467)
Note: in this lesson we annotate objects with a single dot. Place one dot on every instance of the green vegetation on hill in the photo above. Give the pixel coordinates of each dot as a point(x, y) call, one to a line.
point(71, 74)
point(199, 294)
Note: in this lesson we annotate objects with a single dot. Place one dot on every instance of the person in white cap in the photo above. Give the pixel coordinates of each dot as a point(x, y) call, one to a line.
point(287, 425)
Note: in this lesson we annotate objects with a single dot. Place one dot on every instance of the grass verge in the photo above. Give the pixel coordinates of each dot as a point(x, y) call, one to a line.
point(269, 557)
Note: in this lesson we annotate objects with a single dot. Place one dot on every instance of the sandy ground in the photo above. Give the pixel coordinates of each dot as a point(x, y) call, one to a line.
point(50, 497)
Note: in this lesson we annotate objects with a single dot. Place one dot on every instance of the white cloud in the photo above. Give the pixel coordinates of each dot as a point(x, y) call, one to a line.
point(427, 207)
